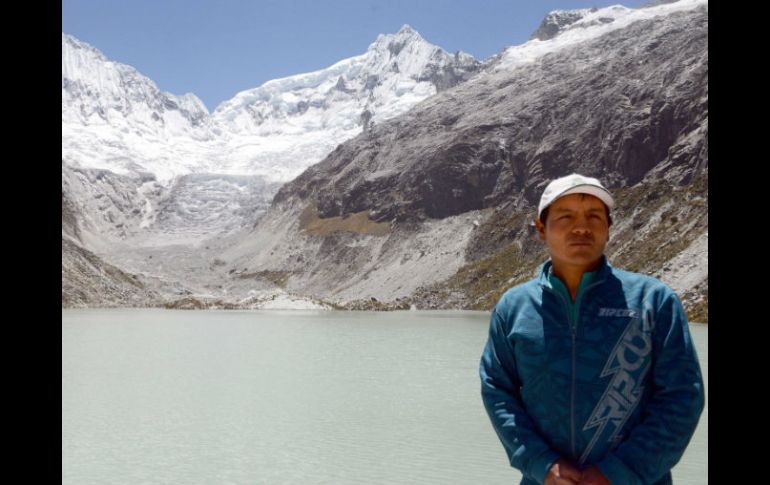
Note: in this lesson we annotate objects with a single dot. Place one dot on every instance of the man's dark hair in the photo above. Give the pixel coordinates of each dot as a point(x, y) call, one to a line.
point(544, 214)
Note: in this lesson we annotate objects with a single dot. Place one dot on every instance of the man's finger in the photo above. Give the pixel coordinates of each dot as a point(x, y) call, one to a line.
point(562, 473)
point(570, 472)
point(563, 481)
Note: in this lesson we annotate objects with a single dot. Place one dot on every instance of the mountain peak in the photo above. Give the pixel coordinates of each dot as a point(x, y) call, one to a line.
point(557, 20)
point(407, 29)
point(395, 43)
point(71, 43)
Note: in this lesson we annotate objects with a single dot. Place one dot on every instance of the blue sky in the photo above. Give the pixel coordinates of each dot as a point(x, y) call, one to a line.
point(217, 48)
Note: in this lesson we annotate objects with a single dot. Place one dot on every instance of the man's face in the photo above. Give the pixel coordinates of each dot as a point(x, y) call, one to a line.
point(576, 231)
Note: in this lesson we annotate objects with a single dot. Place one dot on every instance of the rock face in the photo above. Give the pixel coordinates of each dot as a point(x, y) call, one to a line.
point(102, 205)
point(555, 22)
point(630, 107)
point(88, 280)
point(617, 107)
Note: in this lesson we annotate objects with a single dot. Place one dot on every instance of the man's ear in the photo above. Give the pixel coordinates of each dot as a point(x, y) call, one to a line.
point(540, 229)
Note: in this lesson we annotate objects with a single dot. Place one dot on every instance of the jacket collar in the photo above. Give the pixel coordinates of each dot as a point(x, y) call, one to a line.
point(601, 272)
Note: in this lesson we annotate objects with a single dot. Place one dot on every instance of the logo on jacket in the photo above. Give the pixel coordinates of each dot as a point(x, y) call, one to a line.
point(618, 312)
point(628, 365)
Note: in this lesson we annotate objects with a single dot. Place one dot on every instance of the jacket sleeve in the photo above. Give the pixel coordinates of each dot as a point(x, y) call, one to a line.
point(526, 449)
point(657, 443)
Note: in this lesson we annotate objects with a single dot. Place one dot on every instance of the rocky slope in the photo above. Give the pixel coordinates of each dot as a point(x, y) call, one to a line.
point(89, 281)
point(449, 187)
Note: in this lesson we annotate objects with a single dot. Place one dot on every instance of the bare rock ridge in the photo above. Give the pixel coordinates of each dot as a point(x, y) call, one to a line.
point(556, 21)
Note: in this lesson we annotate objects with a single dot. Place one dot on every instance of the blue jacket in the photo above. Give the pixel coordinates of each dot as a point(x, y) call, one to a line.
point(620, 387)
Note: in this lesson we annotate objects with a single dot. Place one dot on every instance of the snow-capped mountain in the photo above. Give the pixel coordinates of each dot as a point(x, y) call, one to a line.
point(280, 128)
point(117, 121)
point(97, 91)
point(115, 118)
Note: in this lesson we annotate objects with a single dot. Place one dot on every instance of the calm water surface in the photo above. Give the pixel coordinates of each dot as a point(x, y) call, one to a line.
point(287, 397)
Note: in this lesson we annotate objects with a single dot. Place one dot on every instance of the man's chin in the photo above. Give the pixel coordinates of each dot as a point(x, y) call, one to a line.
point(586, 257)
point(583, 252)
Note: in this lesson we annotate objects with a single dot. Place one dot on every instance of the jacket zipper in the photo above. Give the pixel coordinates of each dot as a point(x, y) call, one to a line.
point(574, 363)
point(573, 327)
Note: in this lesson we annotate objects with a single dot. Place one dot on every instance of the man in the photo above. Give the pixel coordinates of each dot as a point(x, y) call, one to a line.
point(589, 374)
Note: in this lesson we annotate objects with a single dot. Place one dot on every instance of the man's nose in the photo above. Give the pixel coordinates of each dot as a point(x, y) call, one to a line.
point(581, 226)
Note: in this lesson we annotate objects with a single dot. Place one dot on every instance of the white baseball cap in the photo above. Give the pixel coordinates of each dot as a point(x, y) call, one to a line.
point(574, 184)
